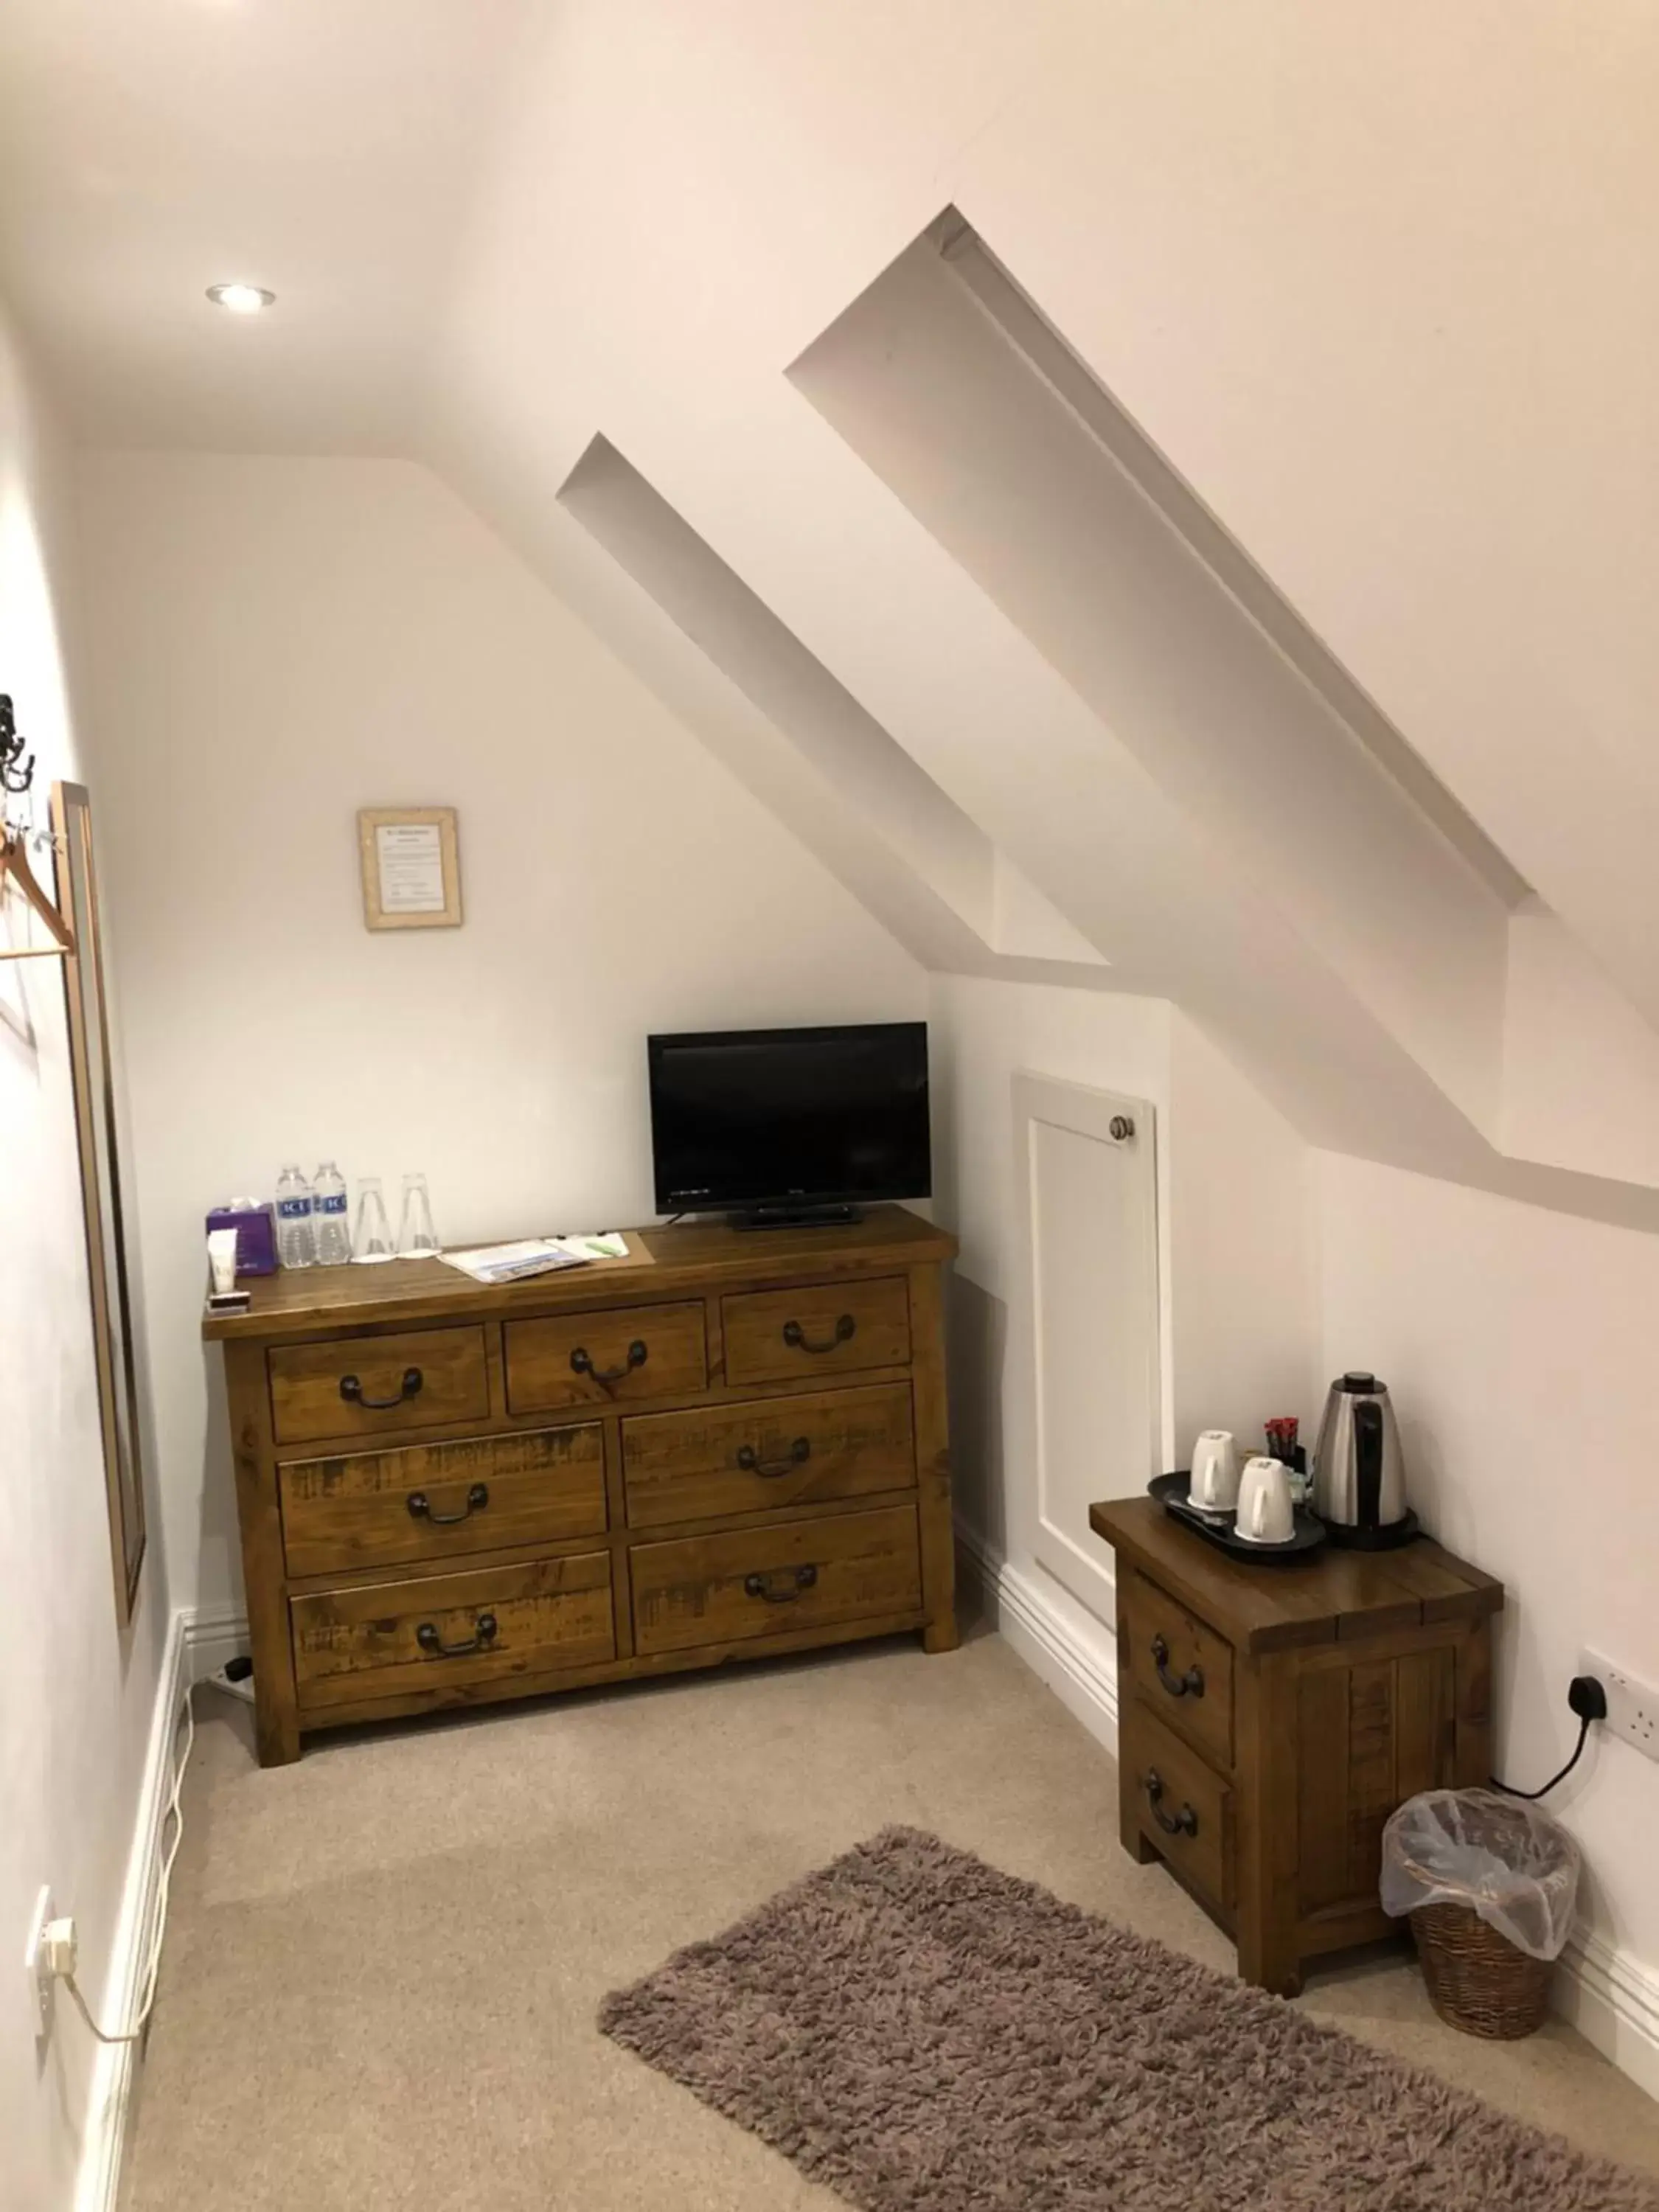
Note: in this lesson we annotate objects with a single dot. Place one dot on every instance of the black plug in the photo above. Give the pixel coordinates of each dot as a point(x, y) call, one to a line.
point(1588, 1698)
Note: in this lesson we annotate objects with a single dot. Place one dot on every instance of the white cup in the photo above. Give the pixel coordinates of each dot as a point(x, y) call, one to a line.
point(1213, 1486)
point(1265, 1513)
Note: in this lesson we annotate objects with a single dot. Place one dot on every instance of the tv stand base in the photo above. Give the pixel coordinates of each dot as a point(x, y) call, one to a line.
point(795, 1216)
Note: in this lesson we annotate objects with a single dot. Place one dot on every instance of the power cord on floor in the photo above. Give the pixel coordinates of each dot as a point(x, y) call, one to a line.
point(175, 1814)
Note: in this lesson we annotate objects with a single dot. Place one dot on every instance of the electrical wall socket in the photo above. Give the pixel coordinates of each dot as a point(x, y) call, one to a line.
point(37, 1958)
point(1632, 1705)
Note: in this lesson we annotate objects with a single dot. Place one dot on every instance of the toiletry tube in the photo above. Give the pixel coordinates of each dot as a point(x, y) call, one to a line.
point(222, 1259)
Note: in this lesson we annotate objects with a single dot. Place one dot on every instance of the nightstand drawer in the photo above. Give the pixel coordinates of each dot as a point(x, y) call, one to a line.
point(381, 1508)
point(598, 1358)
point(1183, 1668)
point(778, 1451)
point(826, 1329)
point(367, 1385)
point(381, 1638)
point(772, 1580)
point(1184, 1809)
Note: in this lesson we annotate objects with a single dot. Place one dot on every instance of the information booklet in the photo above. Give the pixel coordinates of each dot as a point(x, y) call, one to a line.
point(536, 1256)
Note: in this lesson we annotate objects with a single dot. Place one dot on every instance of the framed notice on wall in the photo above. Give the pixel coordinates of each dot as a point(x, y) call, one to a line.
point(411, 867)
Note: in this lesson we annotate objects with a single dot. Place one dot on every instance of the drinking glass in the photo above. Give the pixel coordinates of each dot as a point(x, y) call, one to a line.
point(416, 1238)
point(372, 1241)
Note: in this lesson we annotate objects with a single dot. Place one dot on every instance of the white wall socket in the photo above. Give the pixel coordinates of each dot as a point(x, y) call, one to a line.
point(1632, 1705)
point(37, 1958)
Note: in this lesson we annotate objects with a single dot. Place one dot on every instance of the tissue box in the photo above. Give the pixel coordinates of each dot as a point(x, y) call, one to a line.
point(255, 1235)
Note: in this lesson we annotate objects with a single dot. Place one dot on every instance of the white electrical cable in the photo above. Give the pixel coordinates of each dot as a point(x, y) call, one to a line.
point(175, 1813)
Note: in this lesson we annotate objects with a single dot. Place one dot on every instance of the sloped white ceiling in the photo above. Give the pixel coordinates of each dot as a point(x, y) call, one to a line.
point(755, 189)
point(1368, 280)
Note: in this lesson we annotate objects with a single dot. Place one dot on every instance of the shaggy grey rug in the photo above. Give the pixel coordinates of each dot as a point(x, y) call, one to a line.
point(925, 2034)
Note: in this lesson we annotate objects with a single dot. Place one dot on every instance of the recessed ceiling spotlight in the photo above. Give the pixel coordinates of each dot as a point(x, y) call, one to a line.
point(241, 298)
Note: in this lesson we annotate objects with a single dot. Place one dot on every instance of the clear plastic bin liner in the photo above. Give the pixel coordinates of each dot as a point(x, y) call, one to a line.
point(1507, 1860)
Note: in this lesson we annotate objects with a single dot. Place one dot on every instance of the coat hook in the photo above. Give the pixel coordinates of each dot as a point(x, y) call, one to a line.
point(16, 772)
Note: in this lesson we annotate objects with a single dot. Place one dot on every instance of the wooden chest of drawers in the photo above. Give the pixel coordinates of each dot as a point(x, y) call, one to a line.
point(728, 1444)
point(1271, 1717)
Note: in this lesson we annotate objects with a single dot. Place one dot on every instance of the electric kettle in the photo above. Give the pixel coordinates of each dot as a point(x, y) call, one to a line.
point(1359, 1482)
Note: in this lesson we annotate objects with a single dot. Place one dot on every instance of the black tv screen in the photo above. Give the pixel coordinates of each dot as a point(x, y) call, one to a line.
point(758, 1120)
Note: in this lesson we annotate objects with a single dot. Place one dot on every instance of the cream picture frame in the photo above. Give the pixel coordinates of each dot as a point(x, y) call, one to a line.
point(411, 867)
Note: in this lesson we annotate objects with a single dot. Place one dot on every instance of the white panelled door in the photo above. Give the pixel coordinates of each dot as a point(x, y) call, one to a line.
point(1085, 1171)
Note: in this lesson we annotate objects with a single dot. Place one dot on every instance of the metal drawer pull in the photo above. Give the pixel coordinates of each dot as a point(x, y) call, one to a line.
point(581, 1362)
point(351, 1390)
point(752, 1462)
point(433, 1645)
point(1185, 1822)
point(796, 1336)
point(761, 1585)
point(1190, 1685)
point(420, 1507)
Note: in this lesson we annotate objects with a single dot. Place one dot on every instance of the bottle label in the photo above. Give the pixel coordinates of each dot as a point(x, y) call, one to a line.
point(333, 1203)
point(294, 1209)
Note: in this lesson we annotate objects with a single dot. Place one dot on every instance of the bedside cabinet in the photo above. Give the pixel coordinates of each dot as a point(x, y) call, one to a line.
point(1270, 1718)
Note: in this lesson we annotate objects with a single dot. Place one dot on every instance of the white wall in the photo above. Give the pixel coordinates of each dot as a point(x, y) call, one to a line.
point(1235, 1251)
point(278, 642)
point(1518, 1348)
point(1581, 1066)
point(76, 1695)
point(1243, 1264)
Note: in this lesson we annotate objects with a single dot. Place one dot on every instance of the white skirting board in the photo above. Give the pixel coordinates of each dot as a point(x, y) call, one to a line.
point(196, 1644)
point(1611, 1998)
point(1082, 1675)
point(213, 1634)
point(107, 2101)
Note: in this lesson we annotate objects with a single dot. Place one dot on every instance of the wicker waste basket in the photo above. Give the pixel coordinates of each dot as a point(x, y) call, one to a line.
point(1490, 1883)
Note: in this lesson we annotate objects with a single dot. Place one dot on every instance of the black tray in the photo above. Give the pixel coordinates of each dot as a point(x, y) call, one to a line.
point(1171, 1491)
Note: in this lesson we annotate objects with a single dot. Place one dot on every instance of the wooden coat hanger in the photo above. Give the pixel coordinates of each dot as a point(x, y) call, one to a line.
point(15, 868)
point(17, 774)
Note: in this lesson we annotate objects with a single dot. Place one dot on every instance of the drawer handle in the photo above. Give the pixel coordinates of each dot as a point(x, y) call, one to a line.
point(761, 1585)
point(581, 1362)
point(432, 1643)
point(796, 1337)
point(1190, 1685)
point(420, 1507)
point(351, 1390)
point(1185, 1822)
point(752, 1462)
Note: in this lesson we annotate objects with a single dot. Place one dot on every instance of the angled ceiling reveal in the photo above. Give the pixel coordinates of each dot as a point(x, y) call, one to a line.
point(983, 912)
point(945, 379)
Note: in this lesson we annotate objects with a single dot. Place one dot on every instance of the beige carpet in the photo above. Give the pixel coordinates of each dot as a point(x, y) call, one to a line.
point(386, 1961)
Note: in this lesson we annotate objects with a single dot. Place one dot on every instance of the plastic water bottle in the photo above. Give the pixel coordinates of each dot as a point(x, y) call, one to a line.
point(296, 1245)
point(328, 1196)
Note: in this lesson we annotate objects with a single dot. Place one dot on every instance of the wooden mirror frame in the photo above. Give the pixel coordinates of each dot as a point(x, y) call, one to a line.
point(100, 1189)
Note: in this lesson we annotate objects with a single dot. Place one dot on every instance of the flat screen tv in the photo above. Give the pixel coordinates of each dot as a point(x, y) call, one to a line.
point(773, 1125)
